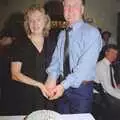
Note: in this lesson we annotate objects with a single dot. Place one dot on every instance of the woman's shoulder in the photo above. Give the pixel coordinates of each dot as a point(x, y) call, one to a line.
point(22, 43)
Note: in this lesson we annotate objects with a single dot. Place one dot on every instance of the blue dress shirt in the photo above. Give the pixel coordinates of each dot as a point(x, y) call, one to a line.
point(84, 46)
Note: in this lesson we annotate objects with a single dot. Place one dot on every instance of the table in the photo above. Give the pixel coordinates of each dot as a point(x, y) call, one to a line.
point(85, 116)
point(12, 117)
point(63, 117)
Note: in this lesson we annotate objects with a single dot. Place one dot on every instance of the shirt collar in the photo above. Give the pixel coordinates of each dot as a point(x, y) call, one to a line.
point(76, 25)
point(106, 61)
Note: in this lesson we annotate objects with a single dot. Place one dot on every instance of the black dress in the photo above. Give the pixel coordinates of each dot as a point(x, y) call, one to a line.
point(25, 98)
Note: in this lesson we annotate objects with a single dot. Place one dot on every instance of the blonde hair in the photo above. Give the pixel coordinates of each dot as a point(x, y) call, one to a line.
point(47, 21)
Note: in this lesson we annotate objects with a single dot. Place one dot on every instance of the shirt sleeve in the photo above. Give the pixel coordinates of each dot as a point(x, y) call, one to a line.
point(16, 53)
point(85, 69)
point(54, 68)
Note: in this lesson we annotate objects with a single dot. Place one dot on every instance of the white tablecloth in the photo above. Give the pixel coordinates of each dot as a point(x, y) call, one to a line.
point(63, 117)
point(12, 117)
point(77, 117)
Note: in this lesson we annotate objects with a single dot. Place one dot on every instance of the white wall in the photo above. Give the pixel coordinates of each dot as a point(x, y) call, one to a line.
point(118, 5)
point(104, 14)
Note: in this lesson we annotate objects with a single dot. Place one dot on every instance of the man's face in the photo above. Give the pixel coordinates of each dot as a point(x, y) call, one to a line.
point(73, 10)
point(111, 55)
point(106, 36)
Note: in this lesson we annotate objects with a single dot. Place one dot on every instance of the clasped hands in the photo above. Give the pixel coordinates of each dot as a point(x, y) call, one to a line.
point(52, 91)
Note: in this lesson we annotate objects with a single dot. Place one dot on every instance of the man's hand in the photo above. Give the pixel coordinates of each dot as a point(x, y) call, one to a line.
point(50, 84)
point(58, 92)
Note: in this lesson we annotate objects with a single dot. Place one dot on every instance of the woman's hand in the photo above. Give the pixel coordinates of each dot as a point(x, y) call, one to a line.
point(43, 89)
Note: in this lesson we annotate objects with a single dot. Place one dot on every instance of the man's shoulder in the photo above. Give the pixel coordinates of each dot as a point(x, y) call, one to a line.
point(101, 63)
point(90, 28)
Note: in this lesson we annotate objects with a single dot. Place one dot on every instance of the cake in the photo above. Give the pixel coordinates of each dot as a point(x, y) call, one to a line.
point(43, 115)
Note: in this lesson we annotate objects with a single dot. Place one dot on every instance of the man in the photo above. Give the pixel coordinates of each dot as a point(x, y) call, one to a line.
point(103, 74)
point(109, 94)
point(107, 38)
point(75, 89)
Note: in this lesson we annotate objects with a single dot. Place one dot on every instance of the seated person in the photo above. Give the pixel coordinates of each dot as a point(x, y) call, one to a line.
point(103, 75)
point(110, 100)
point(107, 38)
point(5, 40)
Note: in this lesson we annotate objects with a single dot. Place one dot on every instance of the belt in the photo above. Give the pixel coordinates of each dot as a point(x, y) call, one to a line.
point(87, 82)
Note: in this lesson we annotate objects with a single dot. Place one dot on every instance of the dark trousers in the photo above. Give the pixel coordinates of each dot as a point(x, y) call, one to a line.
point(76, 100)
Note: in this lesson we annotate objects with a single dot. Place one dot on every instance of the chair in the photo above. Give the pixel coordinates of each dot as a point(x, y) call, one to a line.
point(100, 103)
point(105, 107)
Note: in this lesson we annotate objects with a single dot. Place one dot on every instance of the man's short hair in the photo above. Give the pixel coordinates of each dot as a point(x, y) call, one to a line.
point(83, 1)
point(106, 32)
point(111, 46)
point(105, 49)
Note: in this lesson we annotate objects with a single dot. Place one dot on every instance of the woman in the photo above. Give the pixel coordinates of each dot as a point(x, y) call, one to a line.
point(28, 63)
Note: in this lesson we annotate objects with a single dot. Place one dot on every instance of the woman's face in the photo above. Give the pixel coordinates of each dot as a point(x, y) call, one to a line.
point(36, 22)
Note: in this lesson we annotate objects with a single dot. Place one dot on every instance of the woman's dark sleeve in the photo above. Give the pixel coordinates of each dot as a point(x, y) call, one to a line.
point(16, 53)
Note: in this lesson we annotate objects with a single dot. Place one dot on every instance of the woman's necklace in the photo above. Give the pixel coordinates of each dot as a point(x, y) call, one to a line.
point(38, 43)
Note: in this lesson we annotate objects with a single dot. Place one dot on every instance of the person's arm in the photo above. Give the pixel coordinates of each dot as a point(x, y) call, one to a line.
point(5, 41)
point(87, 62)
point(53, 70)
point(20, 77)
